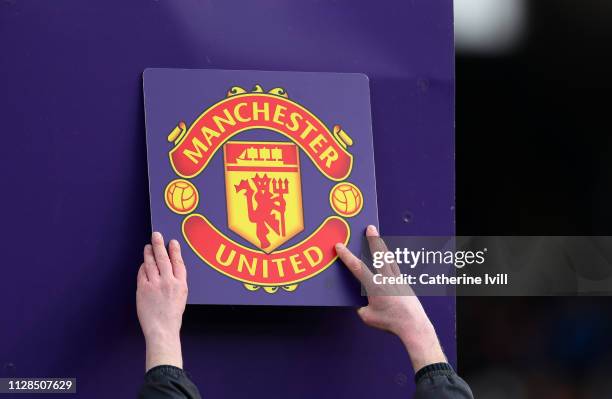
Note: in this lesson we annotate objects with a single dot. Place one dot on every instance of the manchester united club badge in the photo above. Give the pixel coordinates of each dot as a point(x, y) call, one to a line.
point(260, 184)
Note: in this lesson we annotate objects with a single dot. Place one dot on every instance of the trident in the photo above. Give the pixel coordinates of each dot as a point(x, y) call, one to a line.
point(281, 187)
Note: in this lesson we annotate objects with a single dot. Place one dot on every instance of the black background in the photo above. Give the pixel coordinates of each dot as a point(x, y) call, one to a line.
point(533, 149)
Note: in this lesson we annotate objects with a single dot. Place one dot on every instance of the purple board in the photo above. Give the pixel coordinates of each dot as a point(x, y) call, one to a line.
point(74, 156)
point(256, 186)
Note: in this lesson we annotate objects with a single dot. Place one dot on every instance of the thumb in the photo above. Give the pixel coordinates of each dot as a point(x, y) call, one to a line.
point(363, 314)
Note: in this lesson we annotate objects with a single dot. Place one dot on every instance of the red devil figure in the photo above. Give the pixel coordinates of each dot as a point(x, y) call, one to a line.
point(270, 204)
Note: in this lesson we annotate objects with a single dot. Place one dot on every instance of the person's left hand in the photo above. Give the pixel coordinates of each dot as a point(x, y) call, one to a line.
point(161, 297)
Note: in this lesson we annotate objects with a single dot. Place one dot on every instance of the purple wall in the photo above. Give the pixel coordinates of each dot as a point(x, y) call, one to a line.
point(75, 209)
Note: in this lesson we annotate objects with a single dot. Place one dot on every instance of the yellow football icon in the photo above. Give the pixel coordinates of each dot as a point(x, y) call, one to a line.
point(346, 199)
point(181, 196)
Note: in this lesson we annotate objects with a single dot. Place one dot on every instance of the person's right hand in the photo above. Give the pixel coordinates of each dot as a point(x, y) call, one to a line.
point(161, 297)
point(394, 309)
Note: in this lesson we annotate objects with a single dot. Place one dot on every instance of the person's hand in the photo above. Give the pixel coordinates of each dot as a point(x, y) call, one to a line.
point(394, 309)
point(161, 296)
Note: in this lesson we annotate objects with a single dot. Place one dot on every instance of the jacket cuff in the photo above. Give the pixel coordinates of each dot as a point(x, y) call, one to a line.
point(432, 370)
point(164, 370)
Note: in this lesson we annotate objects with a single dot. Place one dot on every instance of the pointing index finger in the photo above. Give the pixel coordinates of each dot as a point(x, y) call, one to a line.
point(355, 265)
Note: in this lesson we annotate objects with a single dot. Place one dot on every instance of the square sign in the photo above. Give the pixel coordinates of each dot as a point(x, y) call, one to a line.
point(258, 175)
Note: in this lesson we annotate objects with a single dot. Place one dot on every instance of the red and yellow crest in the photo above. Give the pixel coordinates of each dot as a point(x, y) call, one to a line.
point(263, 188)
point(263, 191)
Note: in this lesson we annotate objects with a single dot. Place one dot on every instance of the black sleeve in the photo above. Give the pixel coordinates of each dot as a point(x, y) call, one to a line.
point(440, 381)
point(168, 382)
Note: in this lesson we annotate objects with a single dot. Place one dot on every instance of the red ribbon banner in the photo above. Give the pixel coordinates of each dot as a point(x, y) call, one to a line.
point(285, 267)
point(259, 111)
